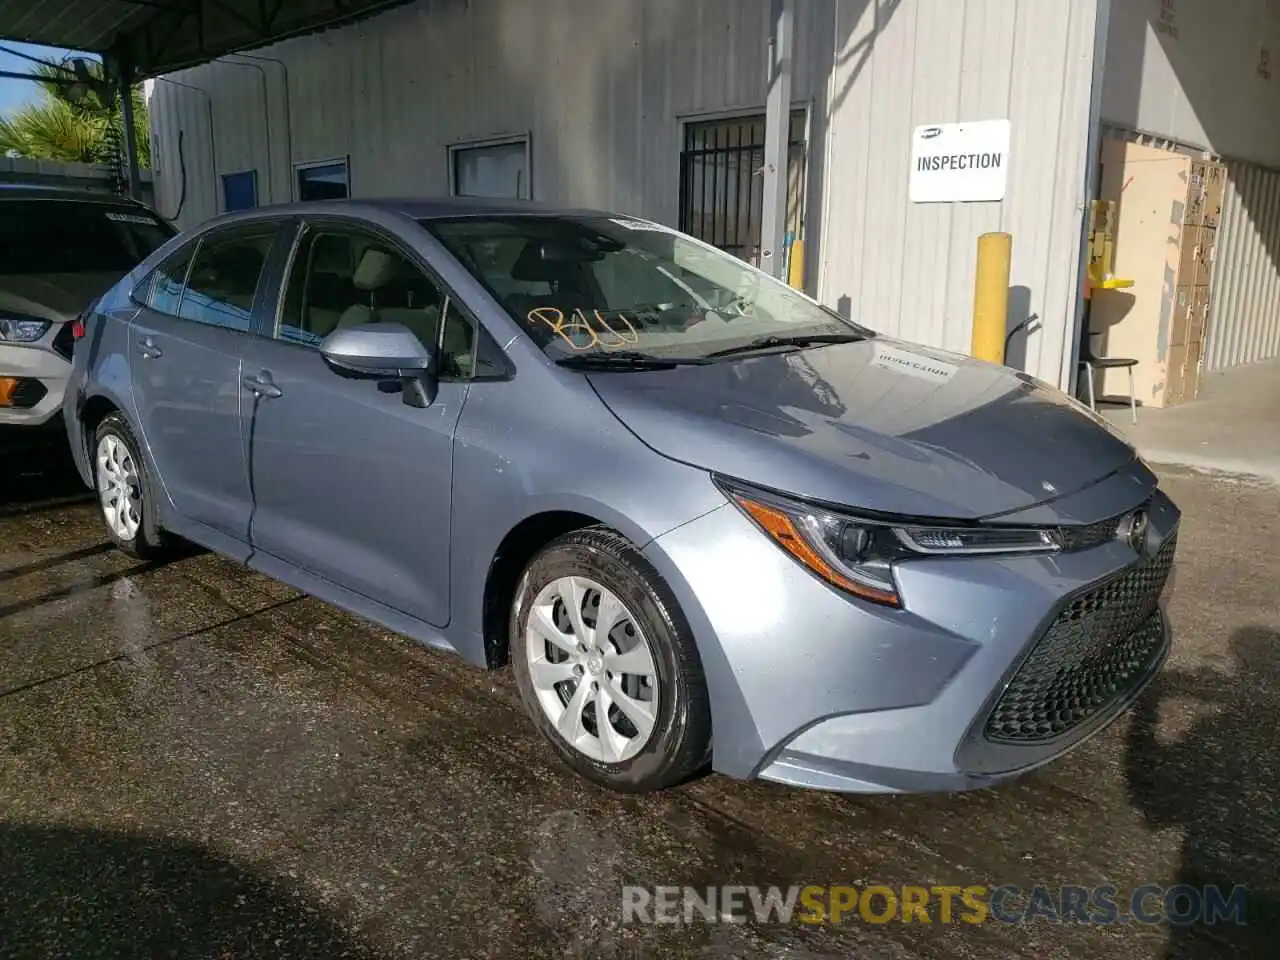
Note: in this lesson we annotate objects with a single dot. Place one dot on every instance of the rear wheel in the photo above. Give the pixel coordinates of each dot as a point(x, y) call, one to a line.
point(124, 490)
point(607, 666)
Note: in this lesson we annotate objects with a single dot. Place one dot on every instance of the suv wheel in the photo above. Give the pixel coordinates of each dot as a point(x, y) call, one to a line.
point(607, 666)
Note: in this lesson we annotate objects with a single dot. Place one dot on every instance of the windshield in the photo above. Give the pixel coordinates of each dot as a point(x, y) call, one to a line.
point(596, 285)
point(76, 236)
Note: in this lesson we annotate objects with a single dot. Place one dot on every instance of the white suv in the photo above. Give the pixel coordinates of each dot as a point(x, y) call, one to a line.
point(59, 251)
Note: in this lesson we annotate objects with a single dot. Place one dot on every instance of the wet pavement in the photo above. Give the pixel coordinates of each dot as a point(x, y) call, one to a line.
point(196, 761)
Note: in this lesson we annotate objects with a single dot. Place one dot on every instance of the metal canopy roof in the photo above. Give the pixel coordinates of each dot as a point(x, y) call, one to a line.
point(158, 36)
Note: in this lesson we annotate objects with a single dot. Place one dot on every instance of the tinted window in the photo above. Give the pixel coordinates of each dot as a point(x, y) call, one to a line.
point(578, 284)
point(165, 286)
point(326, 181)
point(224, 278)
point(341, 278)
point(76, 236)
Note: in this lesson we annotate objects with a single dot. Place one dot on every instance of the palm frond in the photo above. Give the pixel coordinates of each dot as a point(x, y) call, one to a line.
point(87, 129)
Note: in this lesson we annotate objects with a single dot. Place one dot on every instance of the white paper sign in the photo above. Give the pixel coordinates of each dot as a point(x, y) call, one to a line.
point(911, 363)
point(960, 162)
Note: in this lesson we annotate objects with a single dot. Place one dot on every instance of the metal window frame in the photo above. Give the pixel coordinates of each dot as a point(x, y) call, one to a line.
point(461, 146)
point(744, 113)
point(253, 172)
point(298, 168)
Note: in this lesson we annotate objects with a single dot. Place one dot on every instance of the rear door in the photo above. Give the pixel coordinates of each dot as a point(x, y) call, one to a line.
point(351, 484)
point(185, 349)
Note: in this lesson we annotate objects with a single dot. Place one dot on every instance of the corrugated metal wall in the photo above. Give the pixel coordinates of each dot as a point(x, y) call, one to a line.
point(603, 87)
point(600, 88)
point(932, 61)
point(1244, 314)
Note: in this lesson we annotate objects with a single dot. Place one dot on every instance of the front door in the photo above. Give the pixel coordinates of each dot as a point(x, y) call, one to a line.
point(185, 353)
point(350, 483)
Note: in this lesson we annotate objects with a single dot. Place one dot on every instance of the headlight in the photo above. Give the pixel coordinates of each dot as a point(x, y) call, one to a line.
point(19, 328)
point(858, 554)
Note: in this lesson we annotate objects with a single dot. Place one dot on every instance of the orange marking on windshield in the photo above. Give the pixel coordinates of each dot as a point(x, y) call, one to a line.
point(578, 332)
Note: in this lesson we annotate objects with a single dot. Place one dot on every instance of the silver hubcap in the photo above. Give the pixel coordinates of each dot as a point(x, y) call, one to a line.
point(592, 668)
point(118, 487)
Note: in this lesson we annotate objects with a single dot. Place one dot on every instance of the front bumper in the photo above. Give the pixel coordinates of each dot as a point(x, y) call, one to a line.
point(815, 689)
point(41, 364)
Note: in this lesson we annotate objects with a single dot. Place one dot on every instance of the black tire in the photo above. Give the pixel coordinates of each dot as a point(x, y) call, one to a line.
point(680, 744)
point(149, 542)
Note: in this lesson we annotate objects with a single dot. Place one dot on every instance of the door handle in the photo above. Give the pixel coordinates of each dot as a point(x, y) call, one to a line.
point(147, 347)
point(262, 386)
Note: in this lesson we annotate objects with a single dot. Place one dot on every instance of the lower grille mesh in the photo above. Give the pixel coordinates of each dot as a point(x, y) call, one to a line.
point(1099, 647)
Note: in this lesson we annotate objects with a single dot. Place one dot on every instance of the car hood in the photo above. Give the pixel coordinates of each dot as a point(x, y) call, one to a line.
point(879, 424)
point(53, 296)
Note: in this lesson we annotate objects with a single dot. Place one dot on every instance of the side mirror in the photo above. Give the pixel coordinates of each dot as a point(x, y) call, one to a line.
point(384, 351)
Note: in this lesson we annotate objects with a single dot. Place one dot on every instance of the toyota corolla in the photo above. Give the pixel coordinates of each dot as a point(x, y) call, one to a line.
point(706, 520)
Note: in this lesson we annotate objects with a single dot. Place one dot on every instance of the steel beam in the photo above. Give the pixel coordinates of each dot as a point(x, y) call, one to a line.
point(124, 75)
point(773, 228)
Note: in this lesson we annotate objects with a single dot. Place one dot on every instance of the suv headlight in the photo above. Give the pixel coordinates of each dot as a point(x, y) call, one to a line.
point(858, 554)
point(19, 328)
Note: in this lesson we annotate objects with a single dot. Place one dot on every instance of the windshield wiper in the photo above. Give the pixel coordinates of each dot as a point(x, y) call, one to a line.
point(798, 341)
point(625, 360)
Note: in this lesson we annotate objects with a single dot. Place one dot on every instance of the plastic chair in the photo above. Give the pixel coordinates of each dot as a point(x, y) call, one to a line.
point(1091, 362)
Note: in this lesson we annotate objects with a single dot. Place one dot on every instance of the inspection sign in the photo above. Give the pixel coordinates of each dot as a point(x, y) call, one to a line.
point(960, 162)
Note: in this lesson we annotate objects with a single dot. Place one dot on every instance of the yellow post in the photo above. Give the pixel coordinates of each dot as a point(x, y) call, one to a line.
point(991, 296)
point(796, 272)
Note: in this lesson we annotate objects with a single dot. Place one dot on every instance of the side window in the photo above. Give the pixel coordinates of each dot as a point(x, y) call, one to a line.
point(224, 277)
point(341, 278)
point(164, 286)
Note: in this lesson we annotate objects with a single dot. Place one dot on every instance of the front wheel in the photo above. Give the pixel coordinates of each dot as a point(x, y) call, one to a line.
point(124, 490)
point(606, 665)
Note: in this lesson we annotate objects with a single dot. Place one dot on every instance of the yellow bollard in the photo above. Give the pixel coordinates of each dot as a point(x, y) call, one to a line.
point(795, 272)
point(991, 296)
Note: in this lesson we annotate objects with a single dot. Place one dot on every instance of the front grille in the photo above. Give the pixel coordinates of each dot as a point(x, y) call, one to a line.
point(1095, 534)
point(64, 343)
point(1098, 649)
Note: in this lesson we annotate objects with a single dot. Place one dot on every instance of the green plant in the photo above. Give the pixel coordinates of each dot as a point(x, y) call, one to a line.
point(60, 126)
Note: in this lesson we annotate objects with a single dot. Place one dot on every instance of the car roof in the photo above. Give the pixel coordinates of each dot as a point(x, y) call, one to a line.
point(31, 191)
point(419, 208)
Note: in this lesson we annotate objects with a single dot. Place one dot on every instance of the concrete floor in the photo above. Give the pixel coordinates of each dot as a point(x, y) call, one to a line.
point(1232, 427)
point(197, 762)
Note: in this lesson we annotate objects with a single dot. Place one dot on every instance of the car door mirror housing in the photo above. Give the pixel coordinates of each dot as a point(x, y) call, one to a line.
point(383, 351)
point(377, 350)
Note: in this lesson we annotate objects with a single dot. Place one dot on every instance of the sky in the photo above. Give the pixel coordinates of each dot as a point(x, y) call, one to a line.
point(15, 93)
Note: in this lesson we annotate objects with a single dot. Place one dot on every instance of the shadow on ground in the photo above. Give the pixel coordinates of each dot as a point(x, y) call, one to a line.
point(1216, 782)
point(85, 893)
point(36, 470)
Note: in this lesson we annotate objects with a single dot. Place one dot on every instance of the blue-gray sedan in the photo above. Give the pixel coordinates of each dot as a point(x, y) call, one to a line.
point(704, 518)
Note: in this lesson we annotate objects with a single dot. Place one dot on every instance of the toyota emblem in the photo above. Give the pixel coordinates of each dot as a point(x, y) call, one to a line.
point(1134, 531)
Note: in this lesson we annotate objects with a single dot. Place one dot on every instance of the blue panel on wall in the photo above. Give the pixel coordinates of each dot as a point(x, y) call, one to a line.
point(240, 190)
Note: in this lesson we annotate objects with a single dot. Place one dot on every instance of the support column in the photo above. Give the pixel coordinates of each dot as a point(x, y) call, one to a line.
point(773, 227)
point(125, 73)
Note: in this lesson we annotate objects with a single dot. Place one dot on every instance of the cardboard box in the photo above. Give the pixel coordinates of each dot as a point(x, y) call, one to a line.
point(1182, 382)
point(1196, 264)
point(1168, 207)
point(1190, 316)
point(1175, 376)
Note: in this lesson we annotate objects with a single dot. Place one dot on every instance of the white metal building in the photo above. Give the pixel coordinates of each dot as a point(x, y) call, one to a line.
point(596, 102)
point(657, 108)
